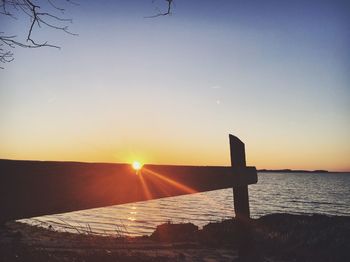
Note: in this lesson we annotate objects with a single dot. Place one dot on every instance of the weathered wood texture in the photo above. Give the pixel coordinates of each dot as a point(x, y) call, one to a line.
point(246, 245)
point(34, 188)
point(240, 191)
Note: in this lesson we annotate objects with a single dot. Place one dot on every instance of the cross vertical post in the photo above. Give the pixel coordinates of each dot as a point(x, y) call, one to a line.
point(246, 248)
point(240, 192)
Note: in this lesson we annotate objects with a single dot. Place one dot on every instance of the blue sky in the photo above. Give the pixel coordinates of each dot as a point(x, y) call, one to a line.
point(170, 89)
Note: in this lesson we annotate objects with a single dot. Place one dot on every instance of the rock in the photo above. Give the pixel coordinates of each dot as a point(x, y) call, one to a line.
point(169, 232)
point(219, 233)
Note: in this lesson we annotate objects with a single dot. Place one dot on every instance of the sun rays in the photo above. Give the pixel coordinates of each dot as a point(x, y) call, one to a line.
point(177, 185)
point(155, 184)
point(150, 179)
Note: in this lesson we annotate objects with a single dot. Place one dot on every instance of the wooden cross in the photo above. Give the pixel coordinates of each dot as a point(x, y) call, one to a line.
point(246, 247)
point(34, 188)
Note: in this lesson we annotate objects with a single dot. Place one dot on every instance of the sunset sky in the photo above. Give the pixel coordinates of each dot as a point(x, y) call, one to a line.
point(170, 89)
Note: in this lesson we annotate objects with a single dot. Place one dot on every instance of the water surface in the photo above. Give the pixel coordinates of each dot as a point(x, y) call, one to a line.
point(295, 193)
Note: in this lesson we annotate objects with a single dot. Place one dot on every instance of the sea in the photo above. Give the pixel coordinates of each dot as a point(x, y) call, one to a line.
point(275, 192)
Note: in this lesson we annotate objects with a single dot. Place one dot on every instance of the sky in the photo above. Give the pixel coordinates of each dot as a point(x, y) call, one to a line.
point(169, 90)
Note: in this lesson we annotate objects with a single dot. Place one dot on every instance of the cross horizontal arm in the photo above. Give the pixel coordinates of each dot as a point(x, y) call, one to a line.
point(34, 188)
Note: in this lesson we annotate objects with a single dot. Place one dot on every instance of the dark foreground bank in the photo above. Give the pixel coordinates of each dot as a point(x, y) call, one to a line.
point(278, 237)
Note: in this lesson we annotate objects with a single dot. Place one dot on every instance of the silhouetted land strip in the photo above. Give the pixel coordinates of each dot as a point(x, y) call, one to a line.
point(295, 171)
point(278, 237)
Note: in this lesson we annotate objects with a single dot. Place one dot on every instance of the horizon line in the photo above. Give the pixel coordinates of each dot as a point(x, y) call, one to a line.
point(258, 169)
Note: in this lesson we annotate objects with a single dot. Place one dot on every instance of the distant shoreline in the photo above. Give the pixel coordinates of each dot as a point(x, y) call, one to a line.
point(295, 171)
point(286, 170)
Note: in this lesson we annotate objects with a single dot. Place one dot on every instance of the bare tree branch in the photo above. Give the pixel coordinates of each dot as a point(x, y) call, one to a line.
point(40, 13)
point(33, 9)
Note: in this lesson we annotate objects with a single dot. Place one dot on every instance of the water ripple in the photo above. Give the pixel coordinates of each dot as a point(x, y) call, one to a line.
point(297, 193)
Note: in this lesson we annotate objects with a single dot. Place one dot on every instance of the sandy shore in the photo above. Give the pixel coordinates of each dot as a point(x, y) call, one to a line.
point(278, 237)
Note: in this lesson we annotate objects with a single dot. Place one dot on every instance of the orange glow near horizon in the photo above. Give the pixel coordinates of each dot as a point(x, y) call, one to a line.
point(203, 150)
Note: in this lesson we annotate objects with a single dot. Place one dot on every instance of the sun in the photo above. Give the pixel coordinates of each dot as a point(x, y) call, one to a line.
point(136, 165)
